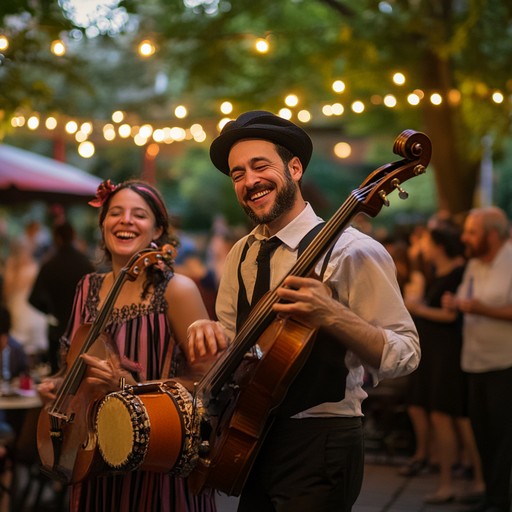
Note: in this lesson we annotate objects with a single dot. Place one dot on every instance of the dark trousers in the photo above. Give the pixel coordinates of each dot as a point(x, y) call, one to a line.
point(490, 411)
point(307, 465)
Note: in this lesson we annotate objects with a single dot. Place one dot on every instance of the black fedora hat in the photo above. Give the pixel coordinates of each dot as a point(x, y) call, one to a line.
point(259, 124)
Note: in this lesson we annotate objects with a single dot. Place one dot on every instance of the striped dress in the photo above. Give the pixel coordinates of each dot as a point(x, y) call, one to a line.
point(143, 336)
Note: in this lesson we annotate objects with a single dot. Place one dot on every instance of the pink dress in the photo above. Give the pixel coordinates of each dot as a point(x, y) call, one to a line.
point(143, 335)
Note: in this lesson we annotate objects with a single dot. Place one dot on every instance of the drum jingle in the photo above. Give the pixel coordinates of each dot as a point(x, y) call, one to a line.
point(153, 426)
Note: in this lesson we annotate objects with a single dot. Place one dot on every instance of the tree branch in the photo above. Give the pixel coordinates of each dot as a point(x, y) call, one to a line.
point(339, 7)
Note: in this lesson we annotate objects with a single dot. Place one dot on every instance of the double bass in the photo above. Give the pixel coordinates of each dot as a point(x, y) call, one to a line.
point(66, 436)
point(239, 393)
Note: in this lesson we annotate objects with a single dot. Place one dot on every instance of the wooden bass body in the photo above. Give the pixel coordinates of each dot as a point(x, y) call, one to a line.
point(261, 385)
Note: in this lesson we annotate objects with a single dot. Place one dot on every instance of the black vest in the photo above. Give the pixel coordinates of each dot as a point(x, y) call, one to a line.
point(322, 378)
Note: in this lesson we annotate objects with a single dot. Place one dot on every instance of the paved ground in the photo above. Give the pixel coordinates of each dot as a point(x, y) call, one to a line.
point(385, 491)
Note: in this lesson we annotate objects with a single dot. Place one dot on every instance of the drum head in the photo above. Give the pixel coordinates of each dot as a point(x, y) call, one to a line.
point(123, 429)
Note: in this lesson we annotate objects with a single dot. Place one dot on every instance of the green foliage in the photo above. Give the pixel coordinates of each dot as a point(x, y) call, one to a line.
point(196, 191)
point(206, 55)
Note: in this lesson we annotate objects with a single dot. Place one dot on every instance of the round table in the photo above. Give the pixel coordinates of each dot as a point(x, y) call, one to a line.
point(20, 400)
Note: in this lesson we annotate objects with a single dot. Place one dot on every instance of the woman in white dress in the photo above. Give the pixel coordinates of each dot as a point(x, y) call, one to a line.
point(29, 326)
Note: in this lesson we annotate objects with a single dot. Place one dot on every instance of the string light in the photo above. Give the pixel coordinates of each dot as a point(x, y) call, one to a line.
point(124, 131)
point(358, 107)
point(152, 150)
point(178, 133)
point(4, 43)
point(226, 107)
point(50, 123)
point(304, 116)
point(140, 140)
point(413, 99)
point(436, 99)
point(223, 123)
point(58, 48)
point(390, 101)
point(327, 110)
point(71, 127)
point(86, 128)
point(497, 97)
point(180, 112)
point(342, 150)
point(158, 135)
point(454, 97)
point(86, 149)
point(146, 48)
point(291, 100)
point(109, 132)
point(145, 133)
point(285, 113)
point(33, 122)
point(399, 78)
point(80, 136)
point(118, 116)
point(338, 86)
point(261, 45)
point(337, 109)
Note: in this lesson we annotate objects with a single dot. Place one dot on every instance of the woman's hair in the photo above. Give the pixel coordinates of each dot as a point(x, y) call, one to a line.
point(157, 205)
point(447, 235)
point(5, 320)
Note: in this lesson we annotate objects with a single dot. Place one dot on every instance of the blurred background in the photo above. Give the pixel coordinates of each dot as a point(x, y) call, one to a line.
point(124, 88)
point(115, 89)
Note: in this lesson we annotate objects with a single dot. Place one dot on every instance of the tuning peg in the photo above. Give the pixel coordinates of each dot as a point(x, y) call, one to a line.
point(384, 197)
point(402, 194)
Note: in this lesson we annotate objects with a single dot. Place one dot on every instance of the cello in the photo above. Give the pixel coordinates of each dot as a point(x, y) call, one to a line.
point(66, 438)
point(240, 393)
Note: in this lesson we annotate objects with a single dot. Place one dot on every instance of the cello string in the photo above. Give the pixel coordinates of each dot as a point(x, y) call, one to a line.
point(97, 327)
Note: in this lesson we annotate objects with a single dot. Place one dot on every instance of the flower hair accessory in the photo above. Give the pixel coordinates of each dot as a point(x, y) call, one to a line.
point(104, 191)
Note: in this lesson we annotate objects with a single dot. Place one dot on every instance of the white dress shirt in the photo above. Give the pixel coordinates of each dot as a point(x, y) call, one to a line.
point(361, 274)
point(487, 344)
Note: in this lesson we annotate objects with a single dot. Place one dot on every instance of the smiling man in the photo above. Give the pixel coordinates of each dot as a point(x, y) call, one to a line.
point(312, 457)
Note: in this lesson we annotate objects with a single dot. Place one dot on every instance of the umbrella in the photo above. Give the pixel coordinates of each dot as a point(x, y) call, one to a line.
point(27, 176)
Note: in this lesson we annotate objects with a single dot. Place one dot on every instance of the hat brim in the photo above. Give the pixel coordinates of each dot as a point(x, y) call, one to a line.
point(300, 146)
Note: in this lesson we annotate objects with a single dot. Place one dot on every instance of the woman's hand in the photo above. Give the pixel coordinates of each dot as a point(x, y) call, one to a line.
point(104, 375)
point(47, 389)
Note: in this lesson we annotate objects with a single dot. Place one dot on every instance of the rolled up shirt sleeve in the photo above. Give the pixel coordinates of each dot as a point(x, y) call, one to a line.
point(363, 275)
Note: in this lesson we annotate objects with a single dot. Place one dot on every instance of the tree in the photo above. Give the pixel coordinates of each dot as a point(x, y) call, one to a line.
point(458, 49)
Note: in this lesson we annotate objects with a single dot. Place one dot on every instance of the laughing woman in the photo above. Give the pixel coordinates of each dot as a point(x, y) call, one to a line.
point(148, 321)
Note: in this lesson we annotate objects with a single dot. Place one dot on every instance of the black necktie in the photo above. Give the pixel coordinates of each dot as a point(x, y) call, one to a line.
point(262, 284)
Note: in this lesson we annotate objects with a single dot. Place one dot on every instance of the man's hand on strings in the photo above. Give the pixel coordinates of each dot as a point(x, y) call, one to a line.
point(306, 299)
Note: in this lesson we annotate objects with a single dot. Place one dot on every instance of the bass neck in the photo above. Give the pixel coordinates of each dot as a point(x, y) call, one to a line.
point(368, 198)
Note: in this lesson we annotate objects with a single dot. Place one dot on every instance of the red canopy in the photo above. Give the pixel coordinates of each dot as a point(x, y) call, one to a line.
point(27, 176)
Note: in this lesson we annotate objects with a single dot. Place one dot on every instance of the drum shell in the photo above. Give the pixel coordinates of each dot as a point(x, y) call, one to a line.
point(161, 425)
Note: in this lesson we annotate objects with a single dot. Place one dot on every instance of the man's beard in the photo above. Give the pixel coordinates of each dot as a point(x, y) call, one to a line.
point(285, 199)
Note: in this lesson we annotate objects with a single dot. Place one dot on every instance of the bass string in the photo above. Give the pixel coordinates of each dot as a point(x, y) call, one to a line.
point(261, 312)
point(325, 238)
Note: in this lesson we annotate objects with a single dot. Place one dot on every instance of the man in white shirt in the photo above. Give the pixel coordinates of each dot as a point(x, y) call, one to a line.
point(485, 298)
point(312, 456)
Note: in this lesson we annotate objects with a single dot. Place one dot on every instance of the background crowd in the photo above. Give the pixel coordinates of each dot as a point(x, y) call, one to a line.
point(450, 436)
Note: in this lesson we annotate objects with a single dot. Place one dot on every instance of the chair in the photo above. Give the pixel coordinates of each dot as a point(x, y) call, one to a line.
point(29, 497)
